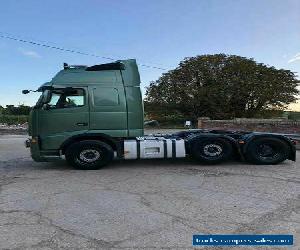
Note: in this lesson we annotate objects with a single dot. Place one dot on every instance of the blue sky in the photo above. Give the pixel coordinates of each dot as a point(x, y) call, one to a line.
point(156, 32)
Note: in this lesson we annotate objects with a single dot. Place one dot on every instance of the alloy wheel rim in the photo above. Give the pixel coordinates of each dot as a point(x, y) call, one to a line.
point(212, 150)
point(89, 155)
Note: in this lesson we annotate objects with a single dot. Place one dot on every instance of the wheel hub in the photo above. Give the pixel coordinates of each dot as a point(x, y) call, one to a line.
point(265, 150)
point(212, 150)
point(89, 155)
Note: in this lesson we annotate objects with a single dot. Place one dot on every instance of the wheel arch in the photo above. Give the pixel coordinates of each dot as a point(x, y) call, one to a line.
point(113, 142)
point(250, 138)
point(189, 142)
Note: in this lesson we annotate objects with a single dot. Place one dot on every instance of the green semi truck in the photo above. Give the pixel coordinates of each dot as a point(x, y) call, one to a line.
point(91, 115)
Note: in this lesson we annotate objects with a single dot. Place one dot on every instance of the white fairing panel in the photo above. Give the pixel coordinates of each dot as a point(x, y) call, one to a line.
point(130, 151)
point(180, 149)
point(169, 148)
point(150, 148)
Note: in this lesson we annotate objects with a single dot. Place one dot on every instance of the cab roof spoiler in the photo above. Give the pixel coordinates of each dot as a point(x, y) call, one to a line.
point(107, 66)
point(99, 67)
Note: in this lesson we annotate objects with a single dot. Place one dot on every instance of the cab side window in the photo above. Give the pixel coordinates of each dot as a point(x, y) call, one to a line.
point(65, 98)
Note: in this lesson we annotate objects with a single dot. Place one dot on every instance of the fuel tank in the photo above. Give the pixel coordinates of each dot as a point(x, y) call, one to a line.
point(154, 148)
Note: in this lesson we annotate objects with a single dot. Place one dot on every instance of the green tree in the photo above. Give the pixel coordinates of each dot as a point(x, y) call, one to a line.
point(19, 110)
point(222, 86)
point(23, 110)
point(10, 110)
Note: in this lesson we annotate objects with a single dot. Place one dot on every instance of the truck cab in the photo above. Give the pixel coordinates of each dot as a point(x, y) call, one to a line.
point(80, 101)
point(91, 115)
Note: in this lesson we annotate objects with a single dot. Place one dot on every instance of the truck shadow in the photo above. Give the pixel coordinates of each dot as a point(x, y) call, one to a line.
point(159, 163)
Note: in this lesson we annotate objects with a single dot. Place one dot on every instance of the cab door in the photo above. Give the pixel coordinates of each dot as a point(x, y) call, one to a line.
point(108, 110)
point(66, 114)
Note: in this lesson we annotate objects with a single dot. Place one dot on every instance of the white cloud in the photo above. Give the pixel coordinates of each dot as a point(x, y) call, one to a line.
point(30, 53)
point(295, 58)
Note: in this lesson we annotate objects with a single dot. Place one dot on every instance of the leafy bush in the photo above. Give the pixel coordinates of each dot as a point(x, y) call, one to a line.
point(13, 119)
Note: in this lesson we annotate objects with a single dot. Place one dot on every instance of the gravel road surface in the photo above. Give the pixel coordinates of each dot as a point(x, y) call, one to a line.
point(153, 204)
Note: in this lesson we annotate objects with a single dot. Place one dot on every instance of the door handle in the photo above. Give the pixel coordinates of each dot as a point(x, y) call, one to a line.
point(82, 124)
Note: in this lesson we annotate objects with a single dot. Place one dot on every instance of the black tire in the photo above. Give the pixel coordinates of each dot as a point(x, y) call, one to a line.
point(89, 154)
point(267, 151)
point(211, 150)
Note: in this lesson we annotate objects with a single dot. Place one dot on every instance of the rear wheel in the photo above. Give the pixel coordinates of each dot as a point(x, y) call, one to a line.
point(268, 151)
point(89, 155)
point(211, 150)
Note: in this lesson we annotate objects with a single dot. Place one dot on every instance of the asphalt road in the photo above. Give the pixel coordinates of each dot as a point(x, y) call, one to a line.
point(140, 204)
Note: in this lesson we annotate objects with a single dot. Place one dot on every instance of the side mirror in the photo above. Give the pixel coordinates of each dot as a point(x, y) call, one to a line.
point(47, 96)
point(25, 91)
point(45, 106)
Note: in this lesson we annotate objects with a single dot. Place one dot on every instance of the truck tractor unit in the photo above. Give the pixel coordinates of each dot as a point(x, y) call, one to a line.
point(91, 115)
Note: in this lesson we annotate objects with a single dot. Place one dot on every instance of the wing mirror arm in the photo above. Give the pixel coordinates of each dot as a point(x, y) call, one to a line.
point(27, 91)
point(45, 106)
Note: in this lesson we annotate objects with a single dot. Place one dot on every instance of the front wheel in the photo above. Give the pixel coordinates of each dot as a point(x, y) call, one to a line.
point(89, 154)
point(268, 151)
point(211, 150)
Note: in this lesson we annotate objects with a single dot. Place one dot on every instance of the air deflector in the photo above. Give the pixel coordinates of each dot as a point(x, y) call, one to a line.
point(107, 66)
